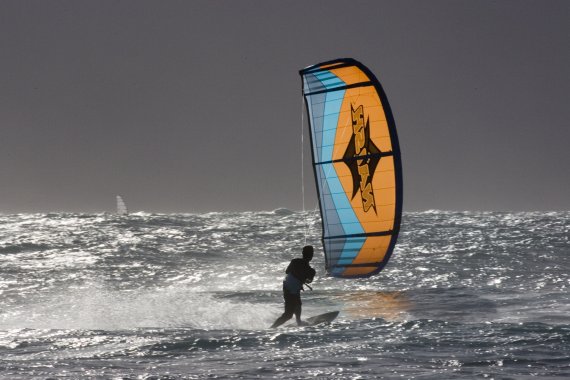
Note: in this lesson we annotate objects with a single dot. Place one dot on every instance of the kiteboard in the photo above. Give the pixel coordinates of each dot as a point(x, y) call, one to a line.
point(318, 319)
point(322, 318)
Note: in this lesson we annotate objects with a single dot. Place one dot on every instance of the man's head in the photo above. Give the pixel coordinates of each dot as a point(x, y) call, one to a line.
point(308, 252)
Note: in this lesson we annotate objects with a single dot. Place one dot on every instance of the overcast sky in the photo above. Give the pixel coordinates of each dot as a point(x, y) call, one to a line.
point(192, 106)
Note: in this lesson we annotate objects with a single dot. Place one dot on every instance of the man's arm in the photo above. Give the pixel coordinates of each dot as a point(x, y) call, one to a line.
point(310, 275)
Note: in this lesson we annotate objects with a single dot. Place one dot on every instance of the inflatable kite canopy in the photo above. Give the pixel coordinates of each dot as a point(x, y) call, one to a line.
point(357, 165)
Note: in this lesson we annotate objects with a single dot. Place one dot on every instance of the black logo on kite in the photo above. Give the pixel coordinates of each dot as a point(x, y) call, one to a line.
point(362, 158)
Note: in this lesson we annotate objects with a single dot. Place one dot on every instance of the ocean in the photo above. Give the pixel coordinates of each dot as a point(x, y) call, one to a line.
point(466, 295)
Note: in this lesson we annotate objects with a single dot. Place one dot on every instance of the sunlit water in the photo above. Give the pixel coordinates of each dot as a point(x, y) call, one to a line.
point(465, 295)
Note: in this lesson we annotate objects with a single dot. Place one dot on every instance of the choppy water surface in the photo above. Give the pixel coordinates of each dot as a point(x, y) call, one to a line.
point(465, 295)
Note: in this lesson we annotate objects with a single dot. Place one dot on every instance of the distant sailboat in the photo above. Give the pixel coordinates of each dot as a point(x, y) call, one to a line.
point(121, 207)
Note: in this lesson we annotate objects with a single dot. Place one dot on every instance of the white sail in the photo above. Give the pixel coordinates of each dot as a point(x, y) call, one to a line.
point(121, 207)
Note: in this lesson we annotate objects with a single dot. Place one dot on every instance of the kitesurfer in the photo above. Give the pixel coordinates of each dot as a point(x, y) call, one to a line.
point(298, 273)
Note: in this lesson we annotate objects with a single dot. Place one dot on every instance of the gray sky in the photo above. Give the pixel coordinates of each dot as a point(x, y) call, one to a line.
point(190, 106)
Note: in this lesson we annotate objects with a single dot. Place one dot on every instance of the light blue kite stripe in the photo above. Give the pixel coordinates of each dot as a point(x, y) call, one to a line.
point(330, 217)
point(348, 255)
point(312, 83)
point(344, 212)
point(347, 214)
point(318, 136)
point(329, 80)
point(331, 229)
point(331, 112)
point(336, 188)
point(337, 271)
point(316, 108)
point(325, 75)
point(351, 247)
point(335, 96)
point(348, 219)
point(350, 222)
point(354, 226)
point(351, 243)
point(310, 109)
point(351, 252)
point(335, 115)
point(354, 244)
point(344, 262)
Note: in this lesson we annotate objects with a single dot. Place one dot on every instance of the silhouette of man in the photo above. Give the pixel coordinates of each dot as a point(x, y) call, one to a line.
point(298, 273)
